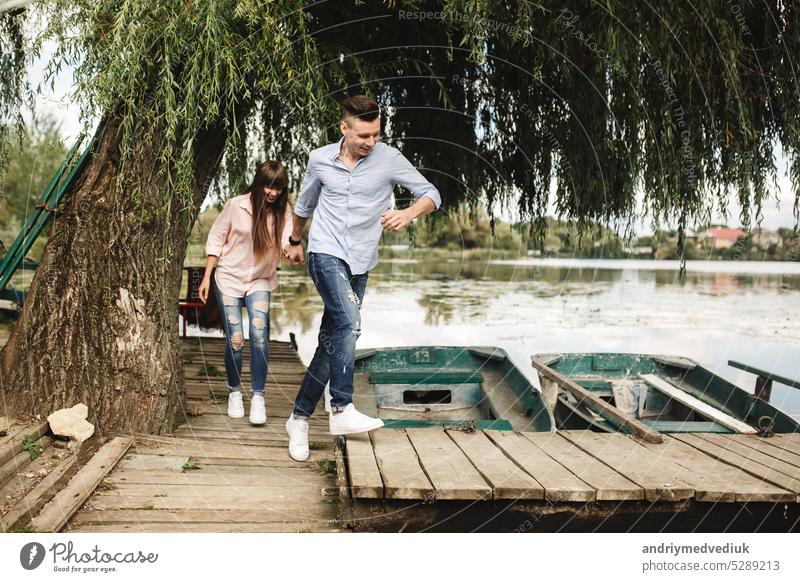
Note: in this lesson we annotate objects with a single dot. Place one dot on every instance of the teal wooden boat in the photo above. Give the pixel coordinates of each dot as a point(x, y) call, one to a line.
point(638, 393)
point(476, 387)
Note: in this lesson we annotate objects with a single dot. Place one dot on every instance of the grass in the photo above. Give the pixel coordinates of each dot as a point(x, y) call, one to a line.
point(106, 486)
point(33, 448)
point(24, 529)
point(191, 465)
point(325, 467)
point(312, 446)
point(211, 370)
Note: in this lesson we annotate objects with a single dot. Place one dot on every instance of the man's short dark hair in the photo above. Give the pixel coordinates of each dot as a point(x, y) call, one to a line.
point(360, 106)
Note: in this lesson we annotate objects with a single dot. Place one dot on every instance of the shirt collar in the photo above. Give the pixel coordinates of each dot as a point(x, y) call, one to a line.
point(244, 202)
point(337, 149)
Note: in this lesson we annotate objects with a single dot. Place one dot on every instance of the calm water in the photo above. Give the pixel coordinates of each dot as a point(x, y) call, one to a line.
point(722, 310)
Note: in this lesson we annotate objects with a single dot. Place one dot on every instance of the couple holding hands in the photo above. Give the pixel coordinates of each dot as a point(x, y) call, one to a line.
point(348, 188)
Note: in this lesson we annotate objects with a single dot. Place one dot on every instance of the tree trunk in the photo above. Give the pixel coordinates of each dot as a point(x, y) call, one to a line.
point(99, 324)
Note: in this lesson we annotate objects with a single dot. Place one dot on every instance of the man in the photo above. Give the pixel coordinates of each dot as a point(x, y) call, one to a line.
point(348, 187)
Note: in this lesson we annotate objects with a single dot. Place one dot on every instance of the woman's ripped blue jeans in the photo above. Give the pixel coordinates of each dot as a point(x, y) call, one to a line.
point(257, 304)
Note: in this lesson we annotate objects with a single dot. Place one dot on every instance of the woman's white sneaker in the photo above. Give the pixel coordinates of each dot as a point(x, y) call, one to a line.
point(258, 412)
point(351, 421)
point(298, 438)
point(235, 405)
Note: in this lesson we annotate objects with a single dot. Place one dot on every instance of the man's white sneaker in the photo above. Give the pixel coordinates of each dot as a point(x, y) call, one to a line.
point(298, 438)
point(327, 394)
point(351, 421)
point(258, 413)
point(235, 405)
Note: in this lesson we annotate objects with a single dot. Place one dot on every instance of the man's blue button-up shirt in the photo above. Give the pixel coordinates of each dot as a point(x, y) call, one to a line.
point(349, 204)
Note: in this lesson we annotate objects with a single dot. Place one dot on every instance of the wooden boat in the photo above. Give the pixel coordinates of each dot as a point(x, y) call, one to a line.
point(476, 387)
point(650, 394)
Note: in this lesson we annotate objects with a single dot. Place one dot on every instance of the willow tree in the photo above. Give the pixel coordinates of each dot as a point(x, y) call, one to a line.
point(577, 104)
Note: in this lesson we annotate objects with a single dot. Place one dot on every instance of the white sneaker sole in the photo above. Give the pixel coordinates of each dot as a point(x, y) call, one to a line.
point(366, 428)
point(257, 422)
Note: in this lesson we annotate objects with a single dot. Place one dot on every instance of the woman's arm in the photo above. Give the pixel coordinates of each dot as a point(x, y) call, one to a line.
point(205, 284)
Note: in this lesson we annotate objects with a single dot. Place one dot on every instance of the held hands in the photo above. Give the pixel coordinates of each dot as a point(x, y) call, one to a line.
point(396, 219)
point(203, 289)
point(294, 254)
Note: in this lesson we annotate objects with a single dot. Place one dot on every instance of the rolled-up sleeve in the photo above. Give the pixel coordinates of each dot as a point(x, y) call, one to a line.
point(219, 231)
point(309, 191)
point(407, 176)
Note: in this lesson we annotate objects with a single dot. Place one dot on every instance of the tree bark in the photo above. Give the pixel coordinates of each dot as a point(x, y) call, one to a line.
point(99, 324)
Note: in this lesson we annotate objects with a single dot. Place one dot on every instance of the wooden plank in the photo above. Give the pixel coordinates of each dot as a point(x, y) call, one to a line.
point(188, 447)
point(762, 472)
point(67, 501)
point(771, 448)
point(14, 447)
point(652, 472)
point(275, 496)
point(449, 470)
point(35, 499)
point(264, 513)
point(507, 480)
point(362, 467)
point(792, 383)
point(21, 460)
point(609, 485)
point(731, 443)
point(345, 500)
point(402, 474)
point(698, 405)
point(789, 441)
point(556, 482)
point(713, 480)
point(588, 399)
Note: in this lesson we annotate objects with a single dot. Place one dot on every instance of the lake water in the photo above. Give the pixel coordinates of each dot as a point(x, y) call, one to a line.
point(721, 310)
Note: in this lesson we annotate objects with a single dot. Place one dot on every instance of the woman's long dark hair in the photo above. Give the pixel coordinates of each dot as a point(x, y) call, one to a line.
point(273, 175)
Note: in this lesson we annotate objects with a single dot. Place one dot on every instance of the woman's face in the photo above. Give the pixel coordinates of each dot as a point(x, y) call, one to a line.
point(271, 194)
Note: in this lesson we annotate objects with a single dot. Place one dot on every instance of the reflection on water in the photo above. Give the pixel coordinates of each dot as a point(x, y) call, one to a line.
point(719, 311)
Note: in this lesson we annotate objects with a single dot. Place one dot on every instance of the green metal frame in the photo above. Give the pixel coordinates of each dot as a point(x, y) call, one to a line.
point(46, 204)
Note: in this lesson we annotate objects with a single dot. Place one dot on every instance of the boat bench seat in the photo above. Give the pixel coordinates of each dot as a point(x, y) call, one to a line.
point(425, 377)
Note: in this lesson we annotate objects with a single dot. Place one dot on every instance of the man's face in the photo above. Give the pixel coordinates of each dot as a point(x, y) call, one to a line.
point(361, 136)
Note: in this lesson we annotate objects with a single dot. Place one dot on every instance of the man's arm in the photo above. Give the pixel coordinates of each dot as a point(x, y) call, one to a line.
point(427, 197)
point(304, 207)
point(399, 219)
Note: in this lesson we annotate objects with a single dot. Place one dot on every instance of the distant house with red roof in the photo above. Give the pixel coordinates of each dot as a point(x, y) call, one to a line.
point(722, 237)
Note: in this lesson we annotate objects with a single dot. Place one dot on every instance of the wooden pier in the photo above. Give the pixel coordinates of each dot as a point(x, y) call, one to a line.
point(219, 474)
point(423, 478)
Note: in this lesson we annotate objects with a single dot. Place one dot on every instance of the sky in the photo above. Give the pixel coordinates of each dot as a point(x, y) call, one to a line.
point(777, 211)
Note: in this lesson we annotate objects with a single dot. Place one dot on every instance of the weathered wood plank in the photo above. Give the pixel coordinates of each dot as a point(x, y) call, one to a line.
point(713, 480)
point(733, 444)
point(556, 482)
point(698, 405)
point(652, 472)
point(222, 501)
point(36, 498)
point(67, 501)
point(402, 474)
point(13, 446)
point(508, 481)
point(216, 527)
point(19, 461)
point(771, 448)
point(365, 477)
point(609, 485)
point(788, 441)
point(753, 468)
point(322, 510)
point(449, 470)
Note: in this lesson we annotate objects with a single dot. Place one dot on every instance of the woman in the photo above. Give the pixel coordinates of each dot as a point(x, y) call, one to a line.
point(245, 244)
